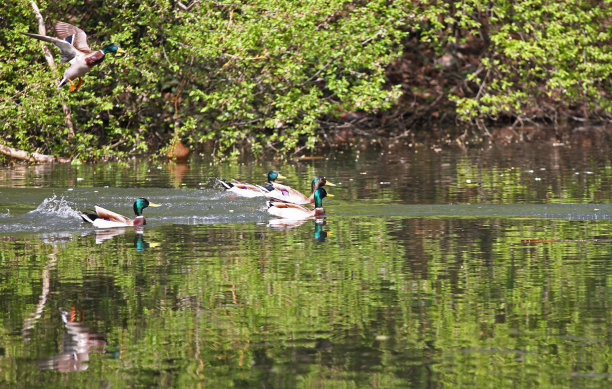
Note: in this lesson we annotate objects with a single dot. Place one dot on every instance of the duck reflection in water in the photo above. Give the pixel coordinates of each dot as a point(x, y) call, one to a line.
point(285, 223)
point(77, 344)
point(139, 242)
point(319, 234)
point(108, 233)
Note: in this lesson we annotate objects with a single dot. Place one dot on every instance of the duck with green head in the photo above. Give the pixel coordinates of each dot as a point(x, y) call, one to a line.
point(297, 211)
point(72, 43)
point(289, 195)
point(243, 189)
point(103, 218)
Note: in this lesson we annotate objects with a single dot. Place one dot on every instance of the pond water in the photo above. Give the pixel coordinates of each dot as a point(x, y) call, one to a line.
point(432, 269)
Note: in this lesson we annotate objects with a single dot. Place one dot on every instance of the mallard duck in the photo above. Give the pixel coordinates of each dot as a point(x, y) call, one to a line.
point(243, 189)
point(287, 194)
point(72, 42)
point(296, 211)
point(103, 218)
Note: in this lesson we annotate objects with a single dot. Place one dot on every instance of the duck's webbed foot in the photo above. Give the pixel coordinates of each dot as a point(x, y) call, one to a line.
point(74, 87)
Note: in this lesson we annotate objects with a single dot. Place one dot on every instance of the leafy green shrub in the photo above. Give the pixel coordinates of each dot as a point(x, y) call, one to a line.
point(259, 74)
point(265, 74)
point(540, 58)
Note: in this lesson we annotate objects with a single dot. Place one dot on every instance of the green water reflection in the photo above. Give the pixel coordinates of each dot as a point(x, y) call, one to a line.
point(389, 297)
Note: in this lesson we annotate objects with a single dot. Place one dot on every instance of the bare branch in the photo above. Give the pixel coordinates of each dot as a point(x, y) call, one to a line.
point(42, 30)
point(33, 157)
point(187, 7)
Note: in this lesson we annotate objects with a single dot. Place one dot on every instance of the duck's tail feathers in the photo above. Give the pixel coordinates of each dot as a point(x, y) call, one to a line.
point(226, 185)
point(64, 81)
point(263, 189)
point(89, 217)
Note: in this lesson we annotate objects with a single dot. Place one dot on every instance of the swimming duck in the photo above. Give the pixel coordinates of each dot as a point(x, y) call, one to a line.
point(72, 42)
point(287, 194)
point(243, 189)
point(103, 218)
point(299, 212)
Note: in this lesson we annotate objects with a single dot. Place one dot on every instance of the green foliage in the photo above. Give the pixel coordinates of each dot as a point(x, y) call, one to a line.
point(274, 68)
point(267, 74)
point(538, 55)
point(259, 74)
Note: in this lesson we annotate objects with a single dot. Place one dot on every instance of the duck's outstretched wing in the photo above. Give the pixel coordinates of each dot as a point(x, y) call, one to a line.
point(67, 51)
point(72, 34)
point(112, 216)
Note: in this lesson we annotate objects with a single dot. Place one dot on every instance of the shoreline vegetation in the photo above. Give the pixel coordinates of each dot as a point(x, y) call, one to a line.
point(292, 79)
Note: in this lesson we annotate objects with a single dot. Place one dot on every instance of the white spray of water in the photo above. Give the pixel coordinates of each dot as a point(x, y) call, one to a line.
point(57, 207)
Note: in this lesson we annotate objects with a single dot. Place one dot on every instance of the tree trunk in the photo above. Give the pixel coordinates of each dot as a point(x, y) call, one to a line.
point(42, 30)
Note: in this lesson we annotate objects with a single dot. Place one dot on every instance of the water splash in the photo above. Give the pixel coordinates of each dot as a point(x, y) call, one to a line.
point(57, 207)
point(53, 215)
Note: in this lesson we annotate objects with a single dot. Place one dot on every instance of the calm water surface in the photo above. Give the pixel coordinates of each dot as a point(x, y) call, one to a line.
point(450, 269)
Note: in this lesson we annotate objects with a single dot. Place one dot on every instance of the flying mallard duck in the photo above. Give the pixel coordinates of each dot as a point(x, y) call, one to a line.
point(288, 194)
point(243, 189)
point(72, 42)
point(103, 218)
point(296, 211)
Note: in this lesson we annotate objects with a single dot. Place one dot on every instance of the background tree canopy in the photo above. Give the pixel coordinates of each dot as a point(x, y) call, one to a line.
point(281, 75)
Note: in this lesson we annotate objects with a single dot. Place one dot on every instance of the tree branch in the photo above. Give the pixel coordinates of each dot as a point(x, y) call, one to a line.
point(42, 30)
point(187, 7)
point(33, 157)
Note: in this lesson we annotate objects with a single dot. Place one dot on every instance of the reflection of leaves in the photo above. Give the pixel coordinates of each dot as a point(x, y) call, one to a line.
point(225, 295)
point(541, 181)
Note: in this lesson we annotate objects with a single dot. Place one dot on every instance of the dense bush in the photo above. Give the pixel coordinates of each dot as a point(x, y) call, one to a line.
point(263, 74)
point(541, 58)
